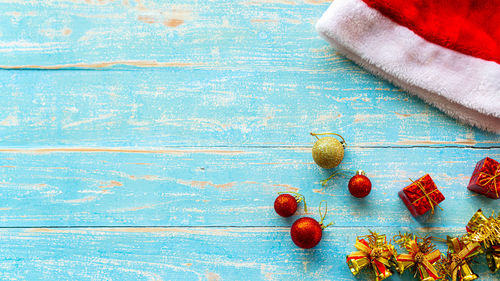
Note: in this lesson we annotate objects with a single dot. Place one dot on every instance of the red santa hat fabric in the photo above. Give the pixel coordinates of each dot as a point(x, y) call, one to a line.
point(446, 52)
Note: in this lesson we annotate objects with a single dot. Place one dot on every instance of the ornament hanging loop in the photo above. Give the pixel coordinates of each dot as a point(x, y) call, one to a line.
point(343, 142)
point(323, 216)
point(325, 181)
point(299, 197)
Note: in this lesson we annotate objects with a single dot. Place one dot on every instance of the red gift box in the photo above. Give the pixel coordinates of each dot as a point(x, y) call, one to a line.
point(486, 178)
point(421, 196)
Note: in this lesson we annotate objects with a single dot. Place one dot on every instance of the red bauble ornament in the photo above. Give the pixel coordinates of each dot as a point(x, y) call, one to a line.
point(360, 185)
point(285, 204)
point(306, 232)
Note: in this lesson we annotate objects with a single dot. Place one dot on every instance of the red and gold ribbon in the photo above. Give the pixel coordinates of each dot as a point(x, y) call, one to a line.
point(376, 252)
point(459, 254)
point(490, 181)
point(426, 195)
point(422, 261)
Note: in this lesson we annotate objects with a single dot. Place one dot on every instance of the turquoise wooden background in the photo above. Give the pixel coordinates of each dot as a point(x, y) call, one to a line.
point(146, 140)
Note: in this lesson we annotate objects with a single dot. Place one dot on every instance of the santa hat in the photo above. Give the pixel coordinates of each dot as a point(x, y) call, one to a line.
point(445, 52)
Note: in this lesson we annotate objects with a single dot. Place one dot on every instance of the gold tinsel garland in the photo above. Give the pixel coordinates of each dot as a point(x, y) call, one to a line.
point(483, 236)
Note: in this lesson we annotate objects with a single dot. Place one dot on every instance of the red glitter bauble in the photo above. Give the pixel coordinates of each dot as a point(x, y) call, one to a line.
point(306, 232)
point(285, 205)
point(360, 185)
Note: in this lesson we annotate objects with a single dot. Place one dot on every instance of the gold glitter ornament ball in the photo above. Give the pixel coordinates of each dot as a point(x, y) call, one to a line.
point(328, 152)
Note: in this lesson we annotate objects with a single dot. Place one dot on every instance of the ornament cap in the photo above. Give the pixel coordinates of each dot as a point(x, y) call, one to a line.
point(360, 172)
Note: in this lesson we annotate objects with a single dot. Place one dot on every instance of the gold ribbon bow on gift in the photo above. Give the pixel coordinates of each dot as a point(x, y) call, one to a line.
point(457, 259)
point(487, 232)
point(426, 195)
point(491, 178)
point(376, 252)
point(420, 259)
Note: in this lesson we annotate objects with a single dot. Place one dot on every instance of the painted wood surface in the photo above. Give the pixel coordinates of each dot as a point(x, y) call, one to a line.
point(178, 107)
point(225, 187)
point(247, 253)
point(146, 140)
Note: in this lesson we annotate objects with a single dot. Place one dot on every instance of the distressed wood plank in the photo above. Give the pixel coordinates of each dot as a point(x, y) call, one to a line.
point(186, 254)
point(195, 113)
point(180, 107)
point(224, 186)
point(261, 75)
point(213, 34)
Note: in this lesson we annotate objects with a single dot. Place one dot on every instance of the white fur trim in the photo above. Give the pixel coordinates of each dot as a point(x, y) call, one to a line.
point(465, 87)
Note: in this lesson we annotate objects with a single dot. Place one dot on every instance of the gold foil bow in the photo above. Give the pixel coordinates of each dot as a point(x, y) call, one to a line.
point(459, 254)
point(375, 252)
point(486, 231)
point(421, 257)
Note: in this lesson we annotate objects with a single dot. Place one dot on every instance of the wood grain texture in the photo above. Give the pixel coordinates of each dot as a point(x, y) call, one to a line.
point(226, 34)
point(179, 107)
point(146, 140)
point(207, 254)
point(225, 187)
point(238, 72)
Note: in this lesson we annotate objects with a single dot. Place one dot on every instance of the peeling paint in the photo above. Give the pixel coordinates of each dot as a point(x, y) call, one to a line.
point(173, 22)
point(81, 200)
point(111, 184)
point(204, 184)
point(102, 65)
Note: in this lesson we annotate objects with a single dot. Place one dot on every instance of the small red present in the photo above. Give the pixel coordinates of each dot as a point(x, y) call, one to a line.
point(421, 196)
point(486, 178)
